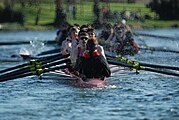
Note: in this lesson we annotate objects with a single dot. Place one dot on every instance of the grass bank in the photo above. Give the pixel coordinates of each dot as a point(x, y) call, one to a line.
point(85, 15)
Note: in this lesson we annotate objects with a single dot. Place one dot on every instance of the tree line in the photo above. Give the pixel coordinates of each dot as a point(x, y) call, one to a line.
point(166, 9)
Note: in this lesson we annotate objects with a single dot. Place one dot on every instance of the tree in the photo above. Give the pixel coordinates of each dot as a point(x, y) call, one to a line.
point(9, 15)
point(22, 3)
point(131, 1)
point(166, 9)
point(60, 16)
point(96, 11)
point(8, 4)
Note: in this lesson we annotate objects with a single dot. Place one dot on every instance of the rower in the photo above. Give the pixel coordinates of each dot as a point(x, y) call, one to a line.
point(69, 46)
point(92, 35)
point(74, 43)
point(83, 37)
point(62, 34)
point(129, 46)
point(93, 64)
point(81, 47)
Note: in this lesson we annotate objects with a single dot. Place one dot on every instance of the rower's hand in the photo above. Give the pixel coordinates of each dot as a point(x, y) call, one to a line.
point(76, 73)
point(83, 77)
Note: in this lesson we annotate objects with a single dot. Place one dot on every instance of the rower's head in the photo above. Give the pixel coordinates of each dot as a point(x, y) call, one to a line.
point(107, 27)
point(128, 34)
point(92, 33)
point(119, 31)
point(83, 36)
point(77, 26)
point(73, 32)
point(85, 27)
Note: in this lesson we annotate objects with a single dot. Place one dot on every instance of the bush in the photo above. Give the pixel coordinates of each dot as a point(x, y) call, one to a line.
point(9, 15)
point(167, 10)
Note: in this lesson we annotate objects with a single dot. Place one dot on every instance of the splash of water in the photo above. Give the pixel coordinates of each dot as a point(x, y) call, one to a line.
point(24, 51)
point(36, 46)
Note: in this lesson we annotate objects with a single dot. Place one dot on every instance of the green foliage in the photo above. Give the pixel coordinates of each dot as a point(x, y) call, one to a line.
point(85, 14)
point(167, 10)
point(10, 15)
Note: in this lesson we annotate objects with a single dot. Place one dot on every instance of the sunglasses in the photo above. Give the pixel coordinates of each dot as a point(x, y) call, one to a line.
point(91, 33)
point(83, 38)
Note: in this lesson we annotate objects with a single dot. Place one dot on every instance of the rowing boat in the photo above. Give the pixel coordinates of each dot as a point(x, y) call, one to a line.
point(87, 83)
point(90, 83)
point(75, 80)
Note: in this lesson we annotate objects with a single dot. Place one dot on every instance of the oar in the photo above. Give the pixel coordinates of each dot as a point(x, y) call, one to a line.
point(158, 49)
point(34, 73)
point(143, 64)
point(44, 59)
point(31, 67)
point(50, 52)
point(156, 36)
point(159, 66)
point(48, 59)
point(25, 42)
point(51, 56)
point(137, 67)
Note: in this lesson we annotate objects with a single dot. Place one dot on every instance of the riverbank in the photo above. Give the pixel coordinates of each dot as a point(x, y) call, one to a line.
point(133, 24)
point(85, 15)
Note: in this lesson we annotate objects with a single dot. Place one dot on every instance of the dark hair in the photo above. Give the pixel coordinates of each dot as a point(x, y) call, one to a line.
point(73, 29)
point(91, 30)
point(85, 26)
point(82, 32)
point(83, 35)
point(77, 26)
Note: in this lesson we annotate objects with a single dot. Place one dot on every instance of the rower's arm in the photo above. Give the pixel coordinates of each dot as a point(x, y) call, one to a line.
point(101, 51)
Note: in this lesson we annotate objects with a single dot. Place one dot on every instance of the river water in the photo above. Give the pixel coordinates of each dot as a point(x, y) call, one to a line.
point(144, 96)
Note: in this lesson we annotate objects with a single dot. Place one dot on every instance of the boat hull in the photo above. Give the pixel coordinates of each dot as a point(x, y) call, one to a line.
point(75, 80)
point(90, 83)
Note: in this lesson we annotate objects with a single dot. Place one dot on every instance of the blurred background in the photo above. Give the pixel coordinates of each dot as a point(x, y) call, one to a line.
point(29, 28)
point(47, 14)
